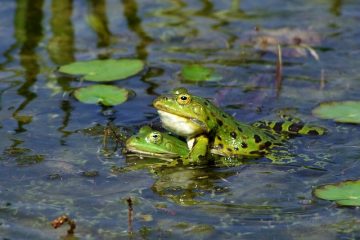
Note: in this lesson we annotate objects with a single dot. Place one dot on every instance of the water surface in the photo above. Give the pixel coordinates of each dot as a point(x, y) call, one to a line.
point(49, 140)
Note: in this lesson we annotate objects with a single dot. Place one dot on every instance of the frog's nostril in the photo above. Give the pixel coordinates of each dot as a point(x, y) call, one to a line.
point(159, 101)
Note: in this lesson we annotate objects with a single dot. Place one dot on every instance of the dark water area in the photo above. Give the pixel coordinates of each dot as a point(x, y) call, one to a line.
point(53, 160)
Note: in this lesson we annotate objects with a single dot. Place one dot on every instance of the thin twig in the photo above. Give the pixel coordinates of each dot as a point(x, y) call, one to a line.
point(322, 79)
point(278, 76)
point(118, 138)
point(110, 130)
point(107, 132)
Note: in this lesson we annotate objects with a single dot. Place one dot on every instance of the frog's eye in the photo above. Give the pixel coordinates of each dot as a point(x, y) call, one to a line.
point(184, 99)
point(154, 137)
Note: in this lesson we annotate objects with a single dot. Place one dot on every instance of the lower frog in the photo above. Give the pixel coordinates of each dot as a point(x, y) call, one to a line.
point(149, 142)
point(175, 172)
point(196, 118)
point(153, 150)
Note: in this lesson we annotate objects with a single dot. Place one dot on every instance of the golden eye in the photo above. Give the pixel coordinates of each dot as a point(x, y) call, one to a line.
point(183, 99)
point(154, 137)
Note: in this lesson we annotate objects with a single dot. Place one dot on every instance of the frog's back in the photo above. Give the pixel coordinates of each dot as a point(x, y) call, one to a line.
point(240, 139)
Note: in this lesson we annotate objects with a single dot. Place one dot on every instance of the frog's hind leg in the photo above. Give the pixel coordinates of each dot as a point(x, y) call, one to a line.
point(290, 127)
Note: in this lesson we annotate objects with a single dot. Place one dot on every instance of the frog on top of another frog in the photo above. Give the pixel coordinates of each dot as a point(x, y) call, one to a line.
point(207, 127)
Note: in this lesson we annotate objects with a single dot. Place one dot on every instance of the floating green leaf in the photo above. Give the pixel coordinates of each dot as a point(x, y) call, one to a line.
point(196, 72)
point(105, 94)
point(346, 111)
point(104, 70)
point(345, 193)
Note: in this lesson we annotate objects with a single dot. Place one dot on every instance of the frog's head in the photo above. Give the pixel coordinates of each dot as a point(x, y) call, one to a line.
point(154, 143)
point(183, 113)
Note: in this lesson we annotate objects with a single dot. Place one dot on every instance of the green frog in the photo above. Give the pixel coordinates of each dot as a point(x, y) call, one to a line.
point(161, 151)
point(175, 172)
point(207, 127)
point(149, 142)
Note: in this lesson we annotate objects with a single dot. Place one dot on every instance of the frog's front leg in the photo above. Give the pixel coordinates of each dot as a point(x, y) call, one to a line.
point(198, 148)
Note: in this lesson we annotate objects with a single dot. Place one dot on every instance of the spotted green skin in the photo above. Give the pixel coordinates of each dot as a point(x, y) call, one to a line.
point(166, 146)
point(227, 136)
point(290, 126)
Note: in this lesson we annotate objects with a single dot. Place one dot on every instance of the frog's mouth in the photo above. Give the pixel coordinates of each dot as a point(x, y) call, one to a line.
point(152, 154)
point(180, 125)
point(138, 149)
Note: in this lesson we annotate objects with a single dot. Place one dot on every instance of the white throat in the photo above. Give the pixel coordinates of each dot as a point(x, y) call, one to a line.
point(179, 125)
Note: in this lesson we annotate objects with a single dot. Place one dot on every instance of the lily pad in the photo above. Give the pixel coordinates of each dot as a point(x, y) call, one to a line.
point(345, 193)
point(104, 70)
point(346, 111)
point(104, 94)
point(196, 72)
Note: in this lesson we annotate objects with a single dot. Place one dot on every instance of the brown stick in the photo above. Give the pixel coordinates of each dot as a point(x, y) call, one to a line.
point(130, 215)
point(278, 74)
point(322, 79)
point(106, 135)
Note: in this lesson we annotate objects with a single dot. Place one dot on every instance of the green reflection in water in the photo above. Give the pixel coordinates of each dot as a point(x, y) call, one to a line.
point(208, 7)
point(134, 24)
point(175, 15)
point(336, 7)
point(208, 11)
point(61, 44)
point(185, 186)
point(61, 51)
point(28, 34)
point(97, 20)
point(67, 108)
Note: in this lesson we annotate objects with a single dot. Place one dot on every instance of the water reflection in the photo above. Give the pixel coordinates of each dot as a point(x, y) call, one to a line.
point(209, 12)
point(61, 51)
point(168, 35)
point(61, 44)
point(28, 33)
point(97, 19)
point(208, 8)
point(336, 7)
point(222, 16)
point(176, 14)
point(184, 185)
point(67, 109)
point(134, 24)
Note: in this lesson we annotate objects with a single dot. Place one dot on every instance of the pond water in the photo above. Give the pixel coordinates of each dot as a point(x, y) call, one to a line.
point(53, 161)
